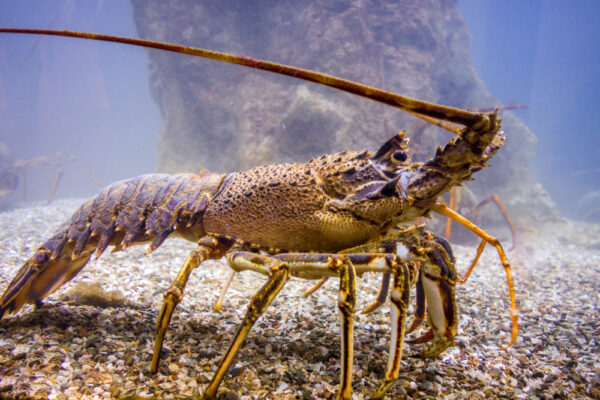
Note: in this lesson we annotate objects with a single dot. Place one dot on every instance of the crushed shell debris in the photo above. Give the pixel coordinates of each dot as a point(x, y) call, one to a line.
point(94, 338)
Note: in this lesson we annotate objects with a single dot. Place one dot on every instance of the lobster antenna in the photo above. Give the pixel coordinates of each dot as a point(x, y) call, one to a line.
point(413, 106)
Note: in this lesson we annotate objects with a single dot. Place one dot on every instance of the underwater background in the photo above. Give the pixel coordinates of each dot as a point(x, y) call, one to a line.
point(104, 112)
point(546, 54)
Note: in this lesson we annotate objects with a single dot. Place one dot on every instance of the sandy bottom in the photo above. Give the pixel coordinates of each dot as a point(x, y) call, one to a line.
point(71, 349)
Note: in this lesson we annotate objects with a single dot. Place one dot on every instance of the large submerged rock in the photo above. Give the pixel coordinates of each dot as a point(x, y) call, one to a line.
point(223, 118)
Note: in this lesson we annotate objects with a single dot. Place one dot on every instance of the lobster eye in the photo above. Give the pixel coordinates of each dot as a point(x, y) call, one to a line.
point(399, 156)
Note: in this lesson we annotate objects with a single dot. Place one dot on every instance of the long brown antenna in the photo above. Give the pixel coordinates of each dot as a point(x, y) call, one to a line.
point(414, 106)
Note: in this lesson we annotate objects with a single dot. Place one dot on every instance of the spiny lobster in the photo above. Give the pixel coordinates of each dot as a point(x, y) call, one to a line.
point(341, 215)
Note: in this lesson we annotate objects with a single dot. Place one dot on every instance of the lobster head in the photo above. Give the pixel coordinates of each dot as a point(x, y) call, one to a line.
point(386, 188)
point(369, 187)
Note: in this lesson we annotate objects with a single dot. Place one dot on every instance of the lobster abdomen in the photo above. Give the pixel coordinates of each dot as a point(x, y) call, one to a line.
point(147, 208)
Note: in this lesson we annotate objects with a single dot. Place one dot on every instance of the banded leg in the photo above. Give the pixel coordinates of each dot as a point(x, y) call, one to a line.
point(381, 296)
point(346, 302)
point(452, 202)
point(399, 298)
point(514, 315)
point(322, 265)
point(434, 256)
point(318, 266)
point(278, 276)
point(496, 200)
point(431, 257)
point(493, 198)
point(478, 253)
point(436, 295)
point(439, 282)
point(419, 314)
point(315, 287)
point(208, 247)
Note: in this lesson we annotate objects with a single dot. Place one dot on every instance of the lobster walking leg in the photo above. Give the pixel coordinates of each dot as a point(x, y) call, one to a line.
point(346, 301)
point(452, 203)
point(441, 307)
point(445, 211)
point(208, 247)
point(493, 198)
point(419, 314)
point(432, 257)
point(279, 274)
point(346, 267)
point(316, 286)
point(323, 265)
point(399, 298)
point(478, 253)
point(381, 296)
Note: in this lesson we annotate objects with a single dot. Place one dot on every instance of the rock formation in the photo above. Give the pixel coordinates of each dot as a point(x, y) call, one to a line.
point(223, 118)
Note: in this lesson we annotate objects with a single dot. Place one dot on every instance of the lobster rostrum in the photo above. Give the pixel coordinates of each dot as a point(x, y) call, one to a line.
point(340, 215)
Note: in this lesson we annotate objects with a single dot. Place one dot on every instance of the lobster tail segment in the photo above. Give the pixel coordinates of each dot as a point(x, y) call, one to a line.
point(148, 208)
point(42, 274)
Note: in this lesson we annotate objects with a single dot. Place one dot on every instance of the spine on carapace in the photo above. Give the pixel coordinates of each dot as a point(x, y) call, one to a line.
point(147, 208)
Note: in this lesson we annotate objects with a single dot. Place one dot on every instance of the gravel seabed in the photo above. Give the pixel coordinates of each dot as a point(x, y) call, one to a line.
point(70, 349)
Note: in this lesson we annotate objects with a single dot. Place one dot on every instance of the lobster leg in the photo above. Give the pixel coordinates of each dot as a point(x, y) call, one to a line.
point(496, 200)
point(445, 211)
point(435, 284)
point(208, 247)
point(224, 289)
point(436, 294)
point(315, 287)
point(399, 298)
point(480, 248)
point(380, 300)
point(278, 276)
point(437, 279)
point(426, 337)
point(419, 315)
point(493, 198)
point(323, 265)
point(442, 317)
point(346, 267)
point(452, 203)
point(346, 301)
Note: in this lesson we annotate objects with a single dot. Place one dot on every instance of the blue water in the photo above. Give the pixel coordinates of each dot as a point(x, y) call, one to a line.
point(92, 99)
point(546, 54)
point(87, 98)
